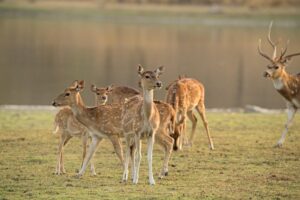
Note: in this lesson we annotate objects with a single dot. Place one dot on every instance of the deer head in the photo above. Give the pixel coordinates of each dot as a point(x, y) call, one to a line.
point(70, 96)
point(101, 93)
point(149, 79)
point(278, 63)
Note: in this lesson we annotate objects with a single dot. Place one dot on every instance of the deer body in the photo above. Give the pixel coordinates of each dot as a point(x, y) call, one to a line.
point(287, 85)
point(67, 126)
point(102, 121)
point(186, 95)
point(141, 120)
point(166, 112)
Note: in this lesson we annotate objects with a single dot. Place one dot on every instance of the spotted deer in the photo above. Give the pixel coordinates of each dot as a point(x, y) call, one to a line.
point(103, 121)
point(120, 94)
point(67, 126)
point(141, 120)
point(113, 94)
point(286, 84)
point(185, 95)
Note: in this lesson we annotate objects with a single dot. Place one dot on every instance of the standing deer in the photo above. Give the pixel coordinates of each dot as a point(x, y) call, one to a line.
point(102, 122)
point(67, 126)
point(120, 94)
point(141, 120)
point(184, 95)
point(113, 94)
point(286, 84)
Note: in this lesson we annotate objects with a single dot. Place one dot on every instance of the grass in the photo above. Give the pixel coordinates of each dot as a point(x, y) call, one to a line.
point(244, 164)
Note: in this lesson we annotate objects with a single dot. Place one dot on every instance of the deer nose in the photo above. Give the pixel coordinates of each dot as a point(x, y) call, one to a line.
point(104, 98)
point(158, 84)
point(266, 74)
point(53, 103)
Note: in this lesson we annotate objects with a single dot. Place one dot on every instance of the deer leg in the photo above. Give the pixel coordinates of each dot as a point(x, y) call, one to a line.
point(118, 148)
point(183, 134)
point(59, 157)
point(138, 157)
point(150, 156)
point(166, 142)
point(62, 165)
point(181, 122)
point(291, 113)
point(193, 118)
point(128, 154)
point(85, 139)
point(92, 149)
point(201, 110)
point(132, 156)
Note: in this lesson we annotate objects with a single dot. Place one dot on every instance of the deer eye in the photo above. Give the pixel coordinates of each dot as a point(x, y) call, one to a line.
point(67, 94)
point(276, 67)
point(147, 77)
point(98, 93)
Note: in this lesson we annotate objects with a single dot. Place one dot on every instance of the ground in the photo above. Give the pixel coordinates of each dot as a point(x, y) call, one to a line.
point(244, 164)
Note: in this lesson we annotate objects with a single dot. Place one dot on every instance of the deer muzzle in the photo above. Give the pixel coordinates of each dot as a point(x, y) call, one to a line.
point(266, 74)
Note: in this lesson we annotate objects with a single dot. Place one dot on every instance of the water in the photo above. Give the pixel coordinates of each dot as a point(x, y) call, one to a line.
point(40, 56)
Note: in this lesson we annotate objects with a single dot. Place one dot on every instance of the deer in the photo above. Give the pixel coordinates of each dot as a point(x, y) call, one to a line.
point(185, 95)
point(113, 94)
point(67, 127)
point(103, 121)
point(121, 94)
point(286, 84)
point(141, 120)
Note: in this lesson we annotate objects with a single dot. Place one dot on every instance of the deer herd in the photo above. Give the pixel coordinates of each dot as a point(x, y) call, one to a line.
point(123, 113)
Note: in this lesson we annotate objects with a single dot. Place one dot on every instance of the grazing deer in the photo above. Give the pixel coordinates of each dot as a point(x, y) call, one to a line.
point(141, 120)
point(286, 84)
point(119, 94)
point(67, 126)
point(102, 122)
point(184, 95)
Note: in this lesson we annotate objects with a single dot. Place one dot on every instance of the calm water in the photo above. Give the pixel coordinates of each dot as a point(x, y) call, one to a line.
point(40, 56)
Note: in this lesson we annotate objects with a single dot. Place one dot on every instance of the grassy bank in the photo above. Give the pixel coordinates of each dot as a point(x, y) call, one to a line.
point(243, 166)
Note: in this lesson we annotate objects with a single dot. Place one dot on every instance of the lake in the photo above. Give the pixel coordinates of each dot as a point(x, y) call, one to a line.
point(40, 55)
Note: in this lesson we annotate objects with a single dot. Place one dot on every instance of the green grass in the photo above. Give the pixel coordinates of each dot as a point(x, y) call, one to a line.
point(244, 164)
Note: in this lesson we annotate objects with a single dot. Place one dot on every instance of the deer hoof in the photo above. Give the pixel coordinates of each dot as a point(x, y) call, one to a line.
point(78, 176)
point(278, 145)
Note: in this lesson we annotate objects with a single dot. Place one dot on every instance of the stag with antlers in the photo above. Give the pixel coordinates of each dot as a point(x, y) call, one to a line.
point(286, 84)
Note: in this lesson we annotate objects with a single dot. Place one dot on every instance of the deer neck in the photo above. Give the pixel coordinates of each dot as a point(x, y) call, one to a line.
point(147, 104)
point(287, 85)
point(280, 83)
point(78, 108)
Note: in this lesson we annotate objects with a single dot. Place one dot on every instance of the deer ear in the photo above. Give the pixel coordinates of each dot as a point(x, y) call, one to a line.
point(140, 69)
point(109, 88)
point(159, 70)
point(93, 88)
point(74, 84)
point(80, 85)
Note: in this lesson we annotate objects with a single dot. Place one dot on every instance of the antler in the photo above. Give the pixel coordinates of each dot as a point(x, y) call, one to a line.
point(273, 44)
point(262, 53)
point(283, 50)
point(288, 57)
